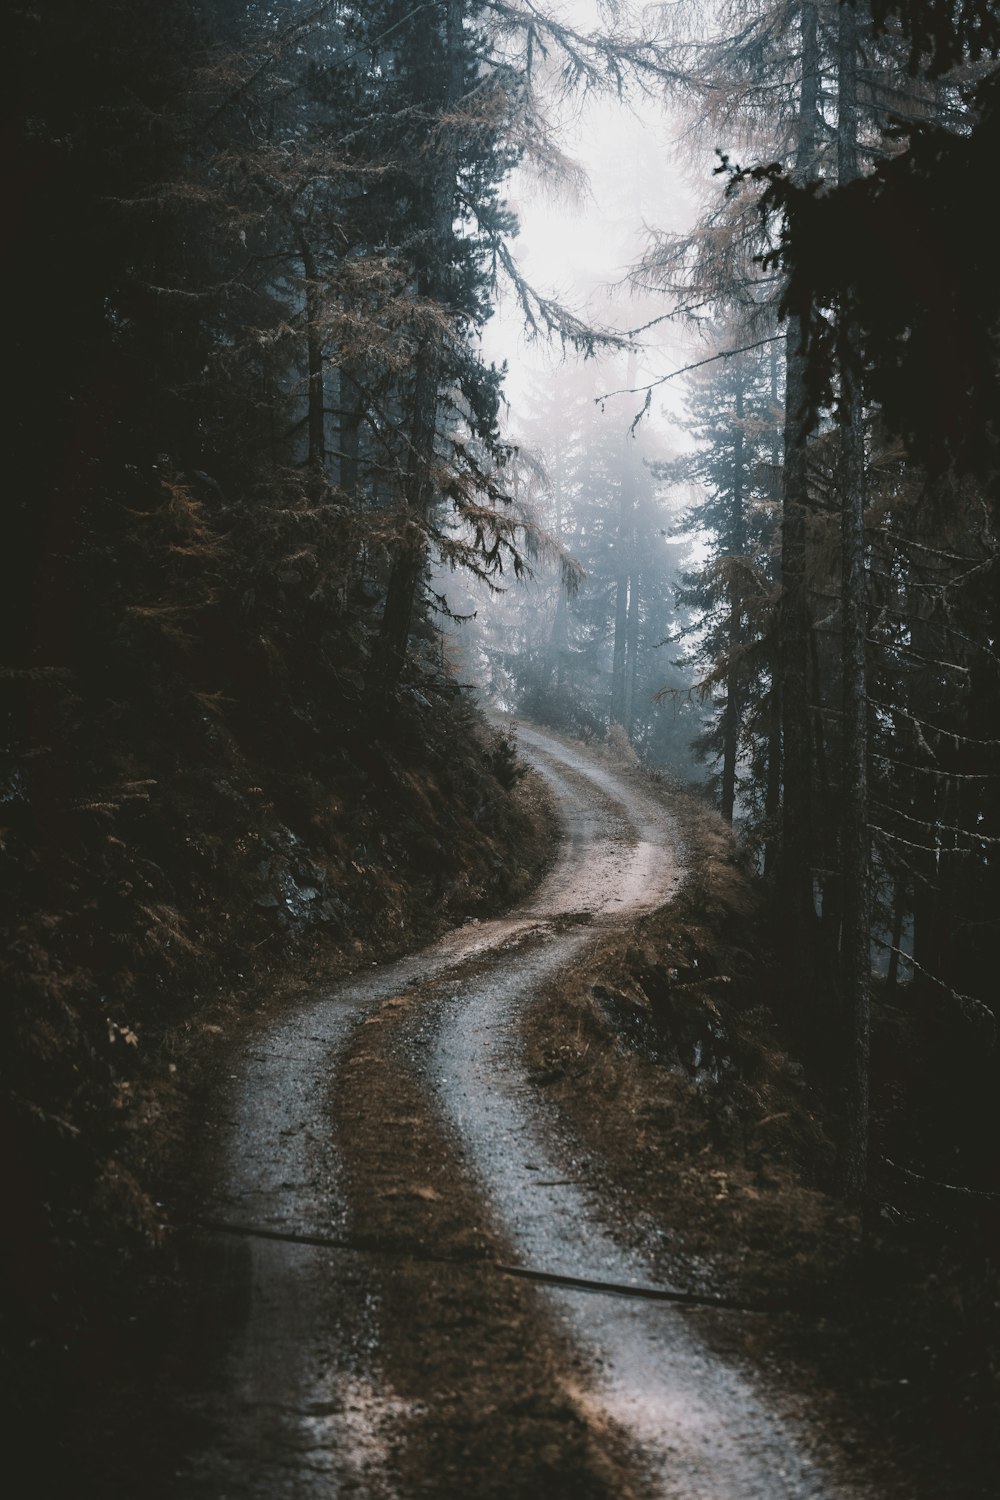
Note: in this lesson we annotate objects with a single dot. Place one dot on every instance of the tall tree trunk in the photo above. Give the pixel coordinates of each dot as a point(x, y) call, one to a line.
point(825, 830)
point(731, 719)
point(351, 416)
point(772, 796)
point(855, 945)
point(624, 549)
point(796, 874)
point(410, 559)
point(621, 629)
point(632, 647)
point(560, 622)
point(772, 803)
point(896, 941)
point(316, 456)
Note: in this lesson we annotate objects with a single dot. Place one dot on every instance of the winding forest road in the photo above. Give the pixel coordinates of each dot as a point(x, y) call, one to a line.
point(300, 1394)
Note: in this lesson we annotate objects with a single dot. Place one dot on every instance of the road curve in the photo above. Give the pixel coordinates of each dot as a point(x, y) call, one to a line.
point(702, 1431)
point(296, 1405)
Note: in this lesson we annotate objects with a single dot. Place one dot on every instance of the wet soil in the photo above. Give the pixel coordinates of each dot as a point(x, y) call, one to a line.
point(384, 1158)
point(485, 1374)
point(699, 1428)
point(305, 1399)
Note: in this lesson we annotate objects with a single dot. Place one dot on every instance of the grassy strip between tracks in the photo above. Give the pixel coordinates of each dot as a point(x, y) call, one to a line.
point(499, 1409)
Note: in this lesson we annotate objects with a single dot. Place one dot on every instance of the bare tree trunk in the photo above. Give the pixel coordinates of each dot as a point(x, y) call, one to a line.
point(558, 638)
point(825, 832)
point(796, 878)
point(772, 803)
point(772, 796)
point(624, 554)
point(855, 942)
point(351, 415)
point(560, 622)
point(896, 941)
point(410, 560)
point(855, 945)
point(621, 627)
point(795, 874)
point(316, 396)
point(632, 648)
point(731, 720)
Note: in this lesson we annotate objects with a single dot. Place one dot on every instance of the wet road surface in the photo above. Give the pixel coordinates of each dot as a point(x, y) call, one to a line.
point(296, 1404)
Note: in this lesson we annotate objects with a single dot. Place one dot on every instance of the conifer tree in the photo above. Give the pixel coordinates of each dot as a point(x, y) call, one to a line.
point(735, 421)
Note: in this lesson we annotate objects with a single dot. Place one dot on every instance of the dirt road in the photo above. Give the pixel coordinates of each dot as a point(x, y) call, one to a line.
point(382, 1150)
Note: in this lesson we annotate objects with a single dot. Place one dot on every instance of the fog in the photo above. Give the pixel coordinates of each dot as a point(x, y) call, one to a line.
point(579, 240)
point(605, 650)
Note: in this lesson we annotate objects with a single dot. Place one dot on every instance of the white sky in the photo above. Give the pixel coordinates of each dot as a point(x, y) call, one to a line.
point(577, 251)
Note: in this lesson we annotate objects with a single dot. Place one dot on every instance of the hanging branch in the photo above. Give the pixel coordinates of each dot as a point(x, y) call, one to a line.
point(636, 390)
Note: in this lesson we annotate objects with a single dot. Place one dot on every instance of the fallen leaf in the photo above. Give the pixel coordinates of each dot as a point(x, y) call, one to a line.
point(426, 1194)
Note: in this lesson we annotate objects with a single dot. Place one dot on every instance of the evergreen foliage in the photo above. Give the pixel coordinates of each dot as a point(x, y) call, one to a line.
point(587, 646)
point(731, 597)
point(258, 474)
point(252, 249)
point(875, 131)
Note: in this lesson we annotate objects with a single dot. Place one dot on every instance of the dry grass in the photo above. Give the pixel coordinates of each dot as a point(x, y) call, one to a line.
point(476, 1357)
point(886, 1335)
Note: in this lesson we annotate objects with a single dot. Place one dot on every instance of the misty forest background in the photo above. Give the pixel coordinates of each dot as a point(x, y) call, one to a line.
point(265, 524)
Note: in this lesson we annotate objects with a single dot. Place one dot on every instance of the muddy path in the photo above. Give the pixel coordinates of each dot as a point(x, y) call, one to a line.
point(382, 1153)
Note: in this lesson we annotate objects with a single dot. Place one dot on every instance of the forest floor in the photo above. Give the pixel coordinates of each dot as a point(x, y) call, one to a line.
point(340, 1307)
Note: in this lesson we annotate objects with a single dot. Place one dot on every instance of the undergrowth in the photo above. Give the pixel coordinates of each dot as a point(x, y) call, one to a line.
point(672, 1053)
point(192, 852)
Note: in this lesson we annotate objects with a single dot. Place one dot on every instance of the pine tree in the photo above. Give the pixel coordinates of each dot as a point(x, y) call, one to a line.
point(735, 422)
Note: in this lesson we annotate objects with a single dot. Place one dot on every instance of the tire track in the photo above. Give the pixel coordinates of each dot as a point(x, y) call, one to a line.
point(702, 1431)
point(297, 1402)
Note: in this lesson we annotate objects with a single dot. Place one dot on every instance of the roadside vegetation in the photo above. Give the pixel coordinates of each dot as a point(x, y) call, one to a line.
point(250, 406)
point(258, 476)
point(708, 1106)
